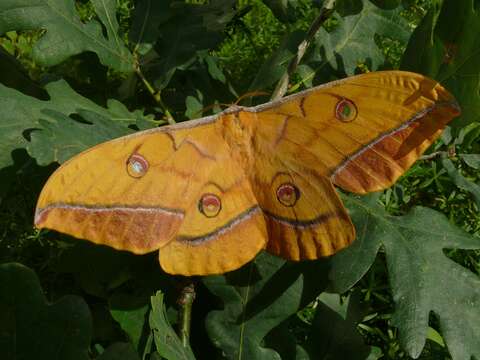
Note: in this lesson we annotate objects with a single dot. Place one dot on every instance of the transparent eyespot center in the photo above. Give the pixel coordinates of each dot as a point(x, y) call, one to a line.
point(209, 205)
point(288, 194)
point(345, 110)
point(137, 166)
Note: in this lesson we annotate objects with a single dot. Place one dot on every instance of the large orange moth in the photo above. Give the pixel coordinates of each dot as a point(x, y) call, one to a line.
point(211, 193)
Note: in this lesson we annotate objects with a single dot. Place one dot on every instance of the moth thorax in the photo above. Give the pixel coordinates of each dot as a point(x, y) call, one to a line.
point(238, 135)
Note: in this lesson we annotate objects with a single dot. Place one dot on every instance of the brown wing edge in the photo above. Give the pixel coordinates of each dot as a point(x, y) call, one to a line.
point(135, 229)
point(377, 165)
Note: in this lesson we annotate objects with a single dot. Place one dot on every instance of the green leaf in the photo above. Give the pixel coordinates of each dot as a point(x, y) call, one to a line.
point(334, 333)
point(132, 321)
point(31, 328)
point(61, 137)
point(65, 33)
point(275, 66)
point(468, 135)
point(107, 268)
point(214, 69)
point(257, 298)
point(472, 160)
point(462, 182)
point(167, 342)
point(193, 106)
point(284, 10)
point(124, 351)
point(353, 40)
point(22, 112)
point(191, 29)
point(445, 46)
point(422, 278)
point(433, 335)
point(146, 18)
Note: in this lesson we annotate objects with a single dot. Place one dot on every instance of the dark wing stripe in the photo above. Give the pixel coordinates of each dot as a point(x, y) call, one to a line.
point(304, 224)
point(199, 240)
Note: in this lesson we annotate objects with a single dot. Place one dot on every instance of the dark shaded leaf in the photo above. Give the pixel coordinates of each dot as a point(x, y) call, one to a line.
point(190, 29)
point(257, 298)
point(124, 351)
point(65, 34)
point(284, 10)
point(145, 28)
point(30, 328)
point(334, 333)
point(17, 77)
point(445, 46)
point(107, 269)
point(133, 322)
point(275, 66)
point(422, 278)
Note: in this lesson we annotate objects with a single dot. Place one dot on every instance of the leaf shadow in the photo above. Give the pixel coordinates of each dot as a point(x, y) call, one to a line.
point(315, 281)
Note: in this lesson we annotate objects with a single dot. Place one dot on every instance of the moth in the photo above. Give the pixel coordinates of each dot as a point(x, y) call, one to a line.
point(212, 193)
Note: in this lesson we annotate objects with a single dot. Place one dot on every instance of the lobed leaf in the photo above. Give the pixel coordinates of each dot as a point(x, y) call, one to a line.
point(65, 33)
point(31, 328)
point(340, 339)
point(349, 44)
point(258, 298)
point(352, 42)
point(422, 278)
point(63, 137)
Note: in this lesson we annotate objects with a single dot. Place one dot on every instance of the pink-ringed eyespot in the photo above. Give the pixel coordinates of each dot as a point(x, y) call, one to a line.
point(209, 205)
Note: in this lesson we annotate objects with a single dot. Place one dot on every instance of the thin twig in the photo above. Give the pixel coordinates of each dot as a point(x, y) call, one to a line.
point(325, 13)
point(185, 301)
point(155, 94)
point(449, 153)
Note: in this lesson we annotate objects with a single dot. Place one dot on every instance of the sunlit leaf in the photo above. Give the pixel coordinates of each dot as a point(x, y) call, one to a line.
point(65, 33)
point(353, 40)
point(63, 137)
point(422, 278)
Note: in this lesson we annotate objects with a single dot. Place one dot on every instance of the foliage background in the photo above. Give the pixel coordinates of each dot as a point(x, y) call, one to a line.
point(75, 73)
